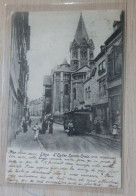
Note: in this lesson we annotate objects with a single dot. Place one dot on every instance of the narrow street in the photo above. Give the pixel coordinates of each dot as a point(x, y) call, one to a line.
point(59, 141)
point(25, 141)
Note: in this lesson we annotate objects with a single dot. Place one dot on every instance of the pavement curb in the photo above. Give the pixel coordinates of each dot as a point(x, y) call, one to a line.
point(99, 136)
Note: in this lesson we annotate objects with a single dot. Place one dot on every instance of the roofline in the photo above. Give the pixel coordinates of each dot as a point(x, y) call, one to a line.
point(87, 79)
point(78, 72)
point(82, 68)
point(114, 34)
point(101, 53)
point(63, 71)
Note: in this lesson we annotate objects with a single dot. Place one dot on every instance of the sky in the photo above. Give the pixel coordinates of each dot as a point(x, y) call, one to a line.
point(50, 38)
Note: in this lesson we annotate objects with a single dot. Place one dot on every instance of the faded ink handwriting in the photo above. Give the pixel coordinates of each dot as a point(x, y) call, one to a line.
point(65, 169)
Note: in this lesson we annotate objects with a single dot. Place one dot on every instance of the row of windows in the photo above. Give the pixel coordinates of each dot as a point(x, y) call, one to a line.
point(115, 61)
point(83, 54)
point(102, 65)
point(102, 90)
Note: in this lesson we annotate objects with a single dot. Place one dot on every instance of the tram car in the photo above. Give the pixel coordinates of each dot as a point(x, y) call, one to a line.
point(80, 119)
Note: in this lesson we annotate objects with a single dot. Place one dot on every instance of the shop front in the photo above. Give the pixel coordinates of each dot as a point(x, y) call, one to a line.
point(115, 104)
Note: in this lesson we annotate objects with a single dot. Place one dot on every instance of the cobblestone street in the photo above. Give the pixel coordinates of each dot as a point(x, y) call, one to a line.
point(60, 141)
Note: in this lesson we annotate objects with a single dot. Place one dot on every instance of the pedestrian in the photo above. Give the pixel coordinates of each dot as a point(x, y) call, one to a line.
point(98, 127)
point(30, 121)
point(115, 131)
point(37, 130)
point(70, 128)
point(44, 126)
point(51, 126)
point(24, 125)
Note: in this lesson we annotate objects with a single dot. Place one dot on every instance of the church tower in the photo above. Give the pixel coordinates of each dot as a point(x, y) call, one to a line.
point(82, 48)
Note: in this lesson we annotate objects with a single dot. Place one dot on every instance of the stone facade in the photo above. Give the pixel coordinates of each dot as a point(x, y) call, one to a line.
point(102, 90)
point(35, 107)
point(47, 95)
point(114, 45)
point(77, 93)
point(68, 88)
point(81, 49)
point(61, 88)
point(19, 72)
point(89, 83)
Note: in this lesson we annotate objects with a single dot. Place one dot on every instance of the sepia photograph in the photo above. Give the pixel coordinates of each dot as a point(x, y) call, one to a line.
point(65, 98)
point(66, 81)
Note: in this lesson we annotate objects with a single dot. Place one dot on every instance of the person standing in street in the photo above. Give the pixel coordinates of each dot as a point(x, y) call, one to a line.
point(51, 126)
point(30, 121)
point(70, 128)
point(24, 125)
point(44, 126)
point(115, 131)
point(37, 130)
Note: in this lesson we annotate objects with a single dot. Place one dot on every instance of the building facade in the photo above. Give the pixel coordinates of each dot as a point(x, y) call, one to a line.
point(47, 95)
point(81, 48)
point(19, 71)
point(61, 88)
point(68, 88)
point(103, 89)
point(91, 83)
point(114, 45)
point(35, 107)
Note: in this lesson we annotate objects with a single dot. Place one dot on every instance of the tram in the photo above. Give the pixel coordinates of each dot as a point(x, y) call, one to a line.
point(80, 119)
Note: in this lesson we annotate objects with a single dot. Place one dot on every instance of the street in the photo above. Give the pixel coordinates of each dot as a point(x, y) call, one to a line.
point(59, 141)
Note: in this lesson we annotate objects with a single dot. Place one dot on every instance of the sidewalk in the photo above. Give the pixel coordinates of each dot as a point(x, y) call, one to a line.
point(109, 137)
point(25, 141)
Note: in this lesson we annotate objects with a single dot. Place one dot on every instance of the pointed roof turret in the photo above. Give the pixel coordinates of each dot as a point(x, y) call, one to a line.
point(81, 32)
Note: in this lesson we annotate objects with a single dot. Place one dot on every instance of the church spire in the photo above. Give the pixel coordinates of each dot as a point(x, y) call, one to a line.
point(81, 32)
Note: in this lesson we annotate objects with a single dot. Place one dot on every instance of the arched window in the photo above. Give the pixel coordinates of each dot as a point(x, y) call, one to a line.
point(75, 54)
point(83, 54)
point(89, 92)
point(74, 93)
point(66, 89)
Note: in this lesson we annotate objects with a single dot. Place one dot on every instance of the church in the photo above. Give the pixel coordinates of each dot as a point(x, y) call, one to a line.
point(68, 79)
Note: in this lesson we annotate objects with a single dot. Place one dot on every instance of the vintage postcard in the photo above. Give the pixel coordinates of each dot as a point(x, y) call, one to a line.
point(65, 98)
